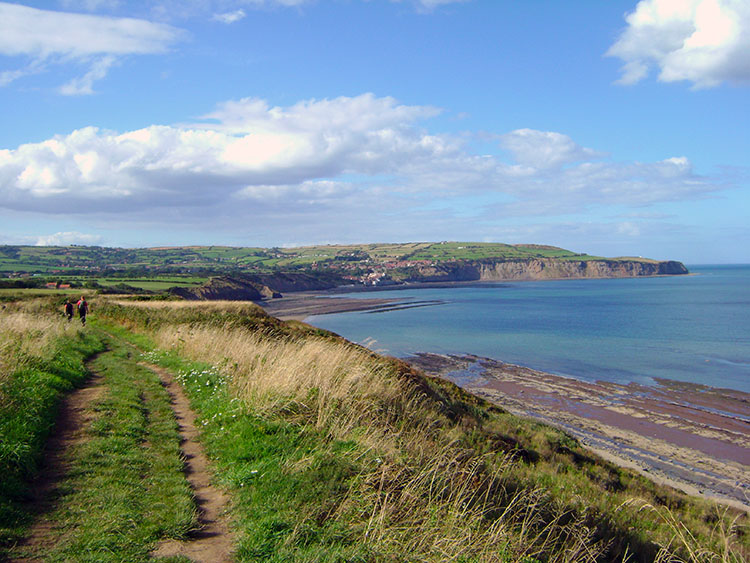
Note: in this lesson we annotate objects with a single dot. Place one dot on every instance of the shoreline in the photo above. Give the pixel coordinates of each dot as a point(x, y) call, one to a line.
point(302, 304)
point(299, 305)
point(692, 437)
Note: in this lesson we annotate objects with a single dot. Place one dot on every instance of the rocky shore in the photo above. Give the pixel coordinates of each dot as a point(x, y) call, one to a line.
point(693, 437)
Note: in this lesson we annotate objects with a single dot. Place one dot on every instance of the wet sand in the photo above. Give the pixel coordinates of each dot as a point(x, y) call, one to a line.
point(299, 306)
point(693, 437)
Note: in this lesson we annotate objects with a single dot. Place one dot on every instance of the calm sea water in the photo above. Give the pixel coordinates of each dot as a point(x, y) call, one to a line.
point(687, 328)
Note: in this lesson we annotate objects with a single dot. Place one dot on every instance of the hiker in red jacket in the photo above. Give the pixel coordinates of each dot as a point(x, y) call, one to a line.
point(83, 309)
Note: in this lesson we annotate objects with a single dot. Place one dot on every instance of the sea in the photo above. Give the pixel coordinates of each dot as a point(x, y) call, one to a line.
point(693, 328)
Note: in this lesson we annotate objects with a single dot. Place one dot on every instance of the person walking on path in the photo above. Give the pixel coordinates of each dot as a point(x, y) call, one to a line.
point(83, 309)
point(69, 309)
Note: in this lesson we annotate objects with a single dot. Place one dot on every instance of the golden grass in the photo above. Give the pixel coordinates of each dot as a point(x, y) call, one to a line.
point(332, 384)
point(427, 494)
point(27, 335)
point(725, 531)
point(236, 307)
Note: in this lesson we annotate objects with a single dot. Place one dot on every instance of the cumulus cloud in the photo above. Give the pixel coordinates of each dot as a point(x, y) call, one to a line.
point(705, 42)
point(67, 238)
point(253, 144)
point(58, 38)
point(336, 165)
point(545, 149)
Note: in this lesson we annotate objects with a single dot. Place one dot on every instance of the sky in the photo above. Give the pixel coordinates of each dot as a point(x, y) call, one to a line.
point(617, 128)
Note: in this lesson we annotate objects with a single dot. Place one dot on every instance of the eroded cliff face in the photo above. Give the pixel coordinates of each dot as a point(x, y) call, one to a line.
point(541, 269)
point(252, 288)
point(267, 286)
point(221, 288)
point(295, 281)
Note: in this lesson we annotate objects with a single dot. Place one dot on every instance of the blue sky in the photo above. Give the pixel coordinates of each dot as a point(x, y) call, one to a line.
point(614, 128)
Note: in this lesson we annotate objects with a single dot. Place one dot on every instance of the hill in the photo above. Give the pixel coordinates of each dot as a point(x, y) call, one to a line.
point(327, 451)
point(317, 267)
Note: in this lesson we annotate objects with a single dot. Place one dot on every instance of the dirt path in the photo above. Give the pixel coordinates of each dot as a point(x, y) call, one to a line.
point(213, 542)
point(74, 416)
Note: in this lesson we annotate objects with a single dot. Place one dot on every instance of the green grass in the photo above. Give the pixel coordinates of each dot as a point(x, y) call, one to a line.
point(125, 488)
point(449, 251)
point(271, 503)
point(76, 261)
point(153, 284)
point(399, 468)
point(29, 399)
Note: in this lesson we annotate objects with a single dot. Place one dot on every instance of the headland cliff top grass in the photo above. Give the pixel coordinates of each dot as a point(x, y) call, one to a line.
point(328, 451)
point(218, 259)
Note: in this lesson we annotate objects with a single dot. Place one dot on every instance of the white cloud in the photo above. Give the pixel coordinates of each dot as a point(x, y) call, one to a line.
point(85, 84)
point(230, 17)
point(545, 149)
point(67, 238)
point(705, 42)
point(59, 38)
point(325, 166)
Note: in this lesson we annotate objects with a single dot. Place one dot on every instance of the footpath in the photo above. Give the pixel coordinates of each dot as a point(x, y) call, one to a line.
point(125, 478)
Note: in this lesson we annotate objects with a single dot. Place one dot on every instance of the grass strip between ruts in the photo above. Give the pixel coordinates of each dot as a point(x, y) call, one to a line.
point(124, 489)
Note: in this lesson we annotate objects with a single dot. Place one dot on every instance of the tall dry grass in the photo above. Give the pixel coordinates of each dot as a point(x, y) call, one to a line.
point(694, 551)
point(332, 385)
point(233, 307)
point(25, 336)
point(427, 494)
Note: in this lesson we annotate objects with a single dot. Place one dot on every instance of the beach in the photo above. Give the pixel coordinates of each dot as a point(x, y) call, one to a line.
point(299, 306)
point(693, 437)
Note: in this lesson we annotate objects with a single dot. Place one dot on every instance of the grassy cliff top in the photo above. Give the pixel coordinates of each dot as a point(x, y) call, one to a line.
point(48, 260)
point(328, 451)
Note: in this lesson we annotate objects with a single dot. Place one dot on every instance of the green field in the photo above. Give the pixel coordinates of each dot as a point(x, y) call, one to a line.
point(161, 268)
point(152, 284)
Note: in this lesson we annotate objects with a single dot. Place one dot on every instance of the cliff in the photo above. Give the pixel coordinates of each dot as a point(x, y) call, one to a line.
point(266, 286)
point(541, 269)
point(225, 288)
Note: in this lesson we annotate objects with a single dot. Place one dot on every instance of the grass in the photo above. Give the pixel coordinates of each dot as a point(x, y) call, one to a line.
point(124, 488)
point(152, 284)
point(329, 452)
point(41, 358)
point(333, 453)
point(142, 265)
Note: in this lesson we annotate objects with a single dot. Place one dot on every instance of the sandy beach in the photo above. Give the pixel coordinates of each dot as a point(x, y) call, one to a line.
point(693, 437)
